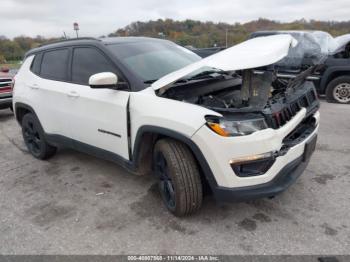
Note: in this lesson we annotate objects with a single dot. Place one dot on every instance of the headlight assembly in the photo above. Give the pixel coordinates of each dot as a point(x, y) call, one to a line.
point(225, 127)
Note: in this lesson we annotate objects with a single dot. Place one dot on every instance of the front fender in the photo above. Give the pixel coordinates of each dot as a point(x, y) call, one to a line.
point(328, 75)
point(203, 163)
point(147, 109)
point(175, 119)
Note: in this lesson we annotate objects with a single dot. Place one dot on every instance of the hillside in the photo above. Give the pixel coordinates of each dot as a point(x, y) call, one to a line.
point(207, 34)
point(188, 32)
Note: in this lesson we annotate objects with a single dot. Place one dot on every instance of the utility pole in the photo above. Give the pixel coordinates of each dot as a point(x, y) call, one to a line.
point(226, 31)
point(76, 28)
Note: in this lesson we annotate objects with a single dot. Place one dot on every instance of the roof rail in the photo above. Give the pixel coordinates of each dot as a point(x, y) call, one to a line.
point(70, 39)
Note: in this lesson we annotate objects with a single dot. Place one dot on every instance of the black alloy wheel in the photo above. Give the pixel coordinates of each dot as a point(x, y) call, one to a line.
point(165, 183)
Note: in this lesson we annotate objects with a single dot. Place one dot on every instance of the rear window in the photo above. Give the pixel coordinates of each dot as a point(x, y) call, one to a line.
point(55, 64)
point(35, 67)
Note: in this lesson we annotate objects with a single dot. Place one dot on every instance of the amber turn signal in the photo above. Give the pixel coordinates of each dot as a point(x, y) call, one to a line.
point(218, 129)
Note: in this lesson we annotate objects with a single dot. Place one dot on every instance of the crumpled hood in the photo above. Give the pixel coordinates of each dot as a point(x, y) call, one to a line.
point(252, 53)
point(342, 41)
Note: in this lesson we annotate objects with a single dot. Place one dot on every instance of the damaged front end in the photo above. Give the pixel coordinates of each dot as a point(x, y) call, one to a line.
point(250, 101)
point(255, 100)
point(264, 124)
point(242, 84)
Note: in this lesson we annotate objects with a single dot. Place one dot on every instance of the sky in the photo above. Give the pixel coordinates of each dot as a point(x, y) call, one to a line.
point(51, 18)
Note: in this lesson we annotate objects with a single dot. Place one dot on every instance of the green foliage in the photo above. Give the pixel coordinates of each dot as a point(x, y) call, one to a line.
point(187, 32)
point(10, 65)
point(14, 50)
point(10, 50)
point(2, 59)
point(208, 34)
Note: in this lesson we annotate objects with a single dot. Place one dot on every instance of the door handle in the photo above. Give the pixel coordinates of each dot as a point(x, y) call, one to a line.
point(73, 94)
point(33, 86)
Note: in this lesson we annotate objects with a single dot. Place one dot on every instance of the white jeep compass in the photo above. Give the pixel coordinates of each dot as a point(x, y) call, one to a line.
point(225, 123)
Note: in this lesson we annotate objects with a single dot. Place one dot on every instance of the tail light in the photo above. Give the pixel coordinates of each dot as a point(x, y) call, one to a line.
point(13, 84)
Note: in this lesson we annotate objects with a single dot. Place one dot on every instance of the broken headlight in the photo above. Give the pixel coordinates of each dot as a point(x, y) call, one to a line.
point(225, 127)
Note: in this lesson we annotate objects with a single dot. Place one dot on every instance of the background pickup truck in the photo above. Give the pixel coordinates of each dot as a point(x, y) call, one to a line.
point(6, 78)
point(333, 78)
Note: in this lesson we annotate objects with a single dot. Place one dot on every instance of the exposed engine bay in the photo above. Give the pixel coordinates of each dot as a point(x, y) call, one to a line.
point(250, 93)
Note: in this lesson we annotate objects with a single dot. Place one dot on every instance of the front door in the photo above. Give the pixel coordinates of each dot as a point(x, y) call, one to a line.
point(99, 116)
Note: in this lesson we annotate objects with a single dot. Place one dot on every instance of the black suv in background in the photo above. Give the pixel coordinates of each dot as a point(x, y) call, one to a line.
point(317, 47)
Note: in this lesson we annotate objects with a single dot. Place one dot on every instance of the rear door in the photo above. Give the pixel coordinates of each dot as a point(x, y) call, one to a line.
point(48, 90)
point(98, 116)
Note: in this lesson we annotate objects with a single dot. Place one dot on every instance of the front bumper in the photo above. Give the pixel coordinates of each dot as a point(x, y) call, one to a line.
point(5, 102)
point(284, 178)
point(218, 151)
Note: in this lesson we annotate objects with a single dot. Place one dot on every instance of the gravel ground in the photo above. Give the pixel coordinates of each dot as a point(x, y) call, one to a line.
point(77, 204)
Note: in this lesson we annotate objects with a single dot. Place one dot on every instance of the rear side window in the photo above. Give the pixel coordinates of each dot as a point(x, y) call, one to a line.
point(54, 65)
point(35, 67)
point(86, 62)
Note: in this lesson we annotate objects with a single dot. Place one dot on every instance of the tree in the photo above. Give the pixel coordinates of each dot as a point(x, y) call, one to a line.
point(2, 59)
point(187, 32)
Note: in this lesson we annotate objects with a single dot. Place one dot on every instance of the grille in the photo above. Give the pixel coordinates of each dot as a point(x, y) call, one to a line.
point(5, 82)
point(282, 116)
point(5, 86)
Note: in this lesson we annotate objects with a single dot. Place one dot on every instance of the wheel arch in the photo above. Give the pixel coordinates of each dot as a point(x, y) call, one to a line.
point(146, 138)
point(22, 109)
point(331, 74)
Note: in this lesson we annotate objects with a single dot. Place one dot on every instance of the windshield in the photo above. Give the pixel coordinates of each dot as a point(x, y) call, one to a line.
point(154, 59)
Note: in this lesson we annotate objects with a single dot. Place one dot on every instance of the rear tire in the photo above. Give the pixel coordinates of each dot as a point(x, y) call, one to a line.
point(34, 138)
point(338, 90)
point(178, 177)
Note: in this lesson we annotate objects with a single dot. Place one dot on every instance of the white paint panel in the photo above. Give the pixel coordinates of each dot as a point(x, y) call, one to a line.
point(48, 98)
point(148, 109)
point(99, 118)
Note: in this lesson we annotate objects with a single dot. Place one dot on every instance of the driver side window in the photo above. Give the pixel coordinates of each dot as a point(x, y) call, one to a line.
point(87, 62)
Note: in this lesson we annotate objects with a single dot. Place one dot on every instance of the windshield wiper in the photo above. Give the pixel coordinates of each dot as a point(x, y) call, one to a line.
point(208, 74)
point(201, 75)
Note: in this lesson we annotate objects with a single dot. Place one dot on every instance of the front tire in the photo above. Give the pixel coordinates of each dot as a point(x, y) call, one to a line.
point(34, 138)
point(338, 90)
point(178, 177)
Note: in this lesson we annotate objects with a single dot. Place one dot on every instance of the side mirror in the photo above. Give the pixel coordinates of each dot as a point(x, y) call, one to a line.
point(103, 80)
